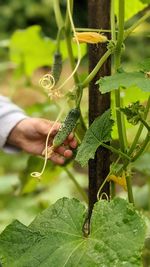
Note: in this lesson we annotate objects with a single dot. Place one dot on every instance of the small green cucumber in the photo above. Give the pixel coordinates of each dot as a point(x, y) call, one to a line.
point(57, 66)
point(67, 126)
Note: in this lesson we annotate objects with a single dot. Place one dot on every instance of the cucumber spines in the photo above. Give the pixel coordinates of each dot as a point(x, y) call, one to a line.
point(67, 126)
point(57, 66)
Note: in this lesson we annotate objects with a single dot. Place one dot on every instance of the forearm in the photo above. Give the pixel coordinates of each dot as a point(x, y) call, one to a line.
point(10, 116)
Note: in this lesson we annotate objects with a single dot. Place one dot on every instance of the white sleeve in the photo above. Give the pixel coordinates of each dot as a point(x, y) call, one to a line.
point(10, 115)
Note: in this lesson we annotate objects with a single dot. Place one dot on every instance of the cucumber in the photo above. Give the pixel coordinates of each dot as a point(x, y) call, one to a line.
point(57, 66)
point(67, 126)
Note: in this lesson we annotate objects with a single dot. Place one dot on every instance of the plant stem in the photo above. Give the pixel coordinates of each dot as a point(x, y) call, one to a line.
point(133, 146)
point(112, 20)
point(71, 57)
point(144, 145)
point(113, 37)
point(105, 180)
point(116, 151)
point(96, 69)
point(58, 15)
point(112, 189)
point(129, 187)
point(67, 20)
point(79, 188)
point(145, 124)
point(117, 60)
point(136, 24)
point(60, 31)
point(91, 30)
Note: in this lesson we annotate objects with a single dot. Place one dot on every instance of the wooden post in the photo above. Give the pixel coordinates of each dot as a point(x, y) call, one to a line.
point(98, 17)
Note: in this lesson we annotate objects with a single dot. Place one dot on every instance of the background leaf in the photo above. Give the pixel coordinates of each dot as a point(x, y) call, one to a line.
point(145, 65)
point(98, 132)
point(55, 237)
point(30, 50)
point(132, 7)
point(145, 1)
point(125, 80)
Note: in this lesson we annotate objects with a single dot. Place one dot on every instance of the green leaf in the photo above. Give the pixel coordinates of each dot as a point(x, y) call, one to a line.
point(145, 1)
point(55, 237)
point(30, 50)
point(132, 7)
point(98, 132)
point(145, 65)
point(142, 163)
point(124, 80)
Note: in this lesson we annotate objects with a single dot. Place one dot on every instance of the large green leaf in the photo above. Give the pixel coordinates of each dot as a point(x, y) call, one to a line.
point(55, 237)
point(30, 50)
point(132, 7)
point(124, 80)
point(98, 132)
point(145, 1)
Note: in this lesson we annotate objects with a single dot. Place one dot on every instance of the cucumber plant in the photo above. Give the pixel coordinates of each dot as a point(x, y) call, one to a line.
point(111, 232)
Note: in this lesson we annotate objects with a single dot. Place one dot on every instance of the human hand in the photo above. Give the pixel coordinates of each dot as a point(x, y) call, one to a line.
point(30, 135)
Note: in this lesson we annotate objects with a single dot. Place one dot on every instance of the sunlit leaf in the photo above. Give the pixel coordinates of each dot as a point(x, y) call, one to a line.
point(132, 7)
point(98, 132)
point(124, 80)
point(30, 50)
point(55, 237)
point(145, 1)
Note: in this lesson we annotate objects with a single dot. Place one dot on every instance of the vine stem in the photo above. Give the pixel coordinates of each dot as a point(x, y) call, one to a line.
point(96, 69)
point(71, 57)
point(113, 37)
point(136, 24)
point(79, 188)
point(104, 182)
point(144, 145)
point(116, 151)
point(129, 188)
point(145, 124)
point(140, 129)
point(58, 16)
point(122, 36)
point(117, 61)
point(92, 30)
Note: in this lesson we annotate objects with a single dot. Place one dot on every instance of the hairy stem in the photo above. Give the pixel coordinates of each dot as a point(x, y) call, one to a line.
point(116, 151)
point(96, 69)
point(118, 101)
point(117, 61)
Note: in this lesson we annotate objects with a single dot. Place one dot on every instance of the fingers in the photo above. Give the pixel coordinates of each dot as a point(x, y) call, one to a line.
point(64, 151)
point(44, 127)
point(57, 159)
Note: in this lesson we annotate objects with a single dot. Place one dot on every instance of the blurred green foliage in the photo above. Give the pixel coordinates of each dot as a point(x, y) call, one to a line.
point(16, 14)
point(31, 29)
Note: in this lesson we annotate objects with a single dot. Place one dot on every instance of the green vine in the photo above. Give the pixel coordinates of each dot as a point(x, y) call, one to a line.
point(114, 49)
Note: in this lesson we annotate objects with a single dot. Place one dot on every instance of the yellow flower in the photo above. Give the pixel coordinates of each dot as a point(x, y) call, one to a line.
point(119, 180)
point(90, 37)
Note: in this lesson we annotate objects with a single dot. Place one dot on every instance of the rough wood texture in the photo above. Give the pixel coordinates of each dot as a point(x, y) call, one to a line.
point(98, 17)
